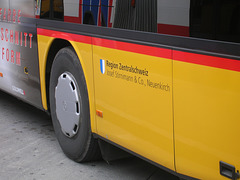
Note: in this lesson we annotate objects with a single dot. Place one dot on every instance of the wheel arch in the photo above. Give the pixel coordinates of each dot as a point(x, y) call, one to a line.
point(55, 46)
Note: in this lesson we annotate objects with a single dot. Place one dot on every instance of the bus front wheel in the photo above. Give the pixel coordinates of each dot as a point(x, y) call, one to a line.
point(69, 106)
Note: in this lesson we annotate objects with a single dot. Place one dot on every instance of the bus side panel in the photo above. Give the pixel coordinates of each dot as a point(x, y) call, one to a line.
point(136, 108)
point(84, 52)
point(19, 72)
point(44, 44)
point(83, 48)
point(206, 114)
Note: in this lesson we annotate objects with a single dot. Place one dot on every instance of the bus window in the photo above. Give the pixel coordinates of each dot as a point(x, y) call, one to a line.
point(136, 15)
point(214, 19)
point(55, 12)
point(206, 19)
point(88, 18)
point(91, 12)
point(58, 9)
point(202, 19)
point(45, 9)
point(37, 8)
point(229, 21)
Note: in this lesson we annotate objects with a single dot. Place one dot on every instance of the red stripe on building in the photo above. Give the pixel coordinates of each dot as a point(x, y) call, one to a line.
point(110, 13)
point(66, 36)
point(99, 23)
point(205, 60)
point(80, 11)
point(173, 30)
point(71, 19)
point(135, 48)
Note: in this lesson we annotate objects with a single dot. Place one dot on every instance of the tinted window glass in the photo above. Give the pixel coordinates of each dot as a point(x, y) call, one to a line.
point(45, 9)
point(228, 22)
point(215, 19)
point(207, 19)
point(202, 19)
point(58, 9)
point(136, 15)
point(37, 7)
point(52, 9)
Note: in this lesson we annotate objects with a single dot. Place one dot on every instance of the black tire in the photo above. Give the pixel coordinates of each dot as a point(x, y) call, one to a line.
point(80, 147)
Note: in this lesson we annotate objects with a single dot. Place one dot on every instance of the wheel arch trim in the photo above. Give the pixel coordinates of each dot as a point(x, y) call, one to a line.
point(45, 62)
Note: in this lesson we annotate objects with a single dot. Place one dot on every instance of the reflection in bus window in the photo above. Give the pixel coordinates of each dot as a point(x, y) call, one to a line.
point(55, 12)
point(45, 9)
point(37, 8)
point(136, 15)
point(213, 19)
point(58, 9)
point(206, 19)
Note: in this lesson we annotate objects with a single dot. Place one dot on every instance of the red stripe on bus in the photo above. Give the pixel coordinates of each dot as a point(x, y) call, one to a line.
point(64, 35)
point(205, 60)
point(135, 48)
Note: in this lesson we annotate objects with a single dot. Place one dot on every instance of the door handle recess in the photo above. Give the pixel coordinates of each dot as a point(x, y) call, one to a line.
point(229, 171)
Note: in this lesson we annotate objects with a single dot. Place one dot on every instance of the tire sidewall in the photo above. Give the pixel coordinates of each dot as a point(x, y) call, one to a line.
point(76, 147)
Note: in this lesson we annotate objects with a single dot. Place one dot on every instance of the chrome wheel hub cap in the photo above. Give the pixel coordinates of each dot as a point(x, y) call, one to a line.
point(67, 98)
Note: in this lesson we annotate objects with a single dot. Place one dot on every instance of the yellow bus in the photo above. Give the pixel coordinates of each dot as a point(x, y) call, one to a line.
point(159, 79)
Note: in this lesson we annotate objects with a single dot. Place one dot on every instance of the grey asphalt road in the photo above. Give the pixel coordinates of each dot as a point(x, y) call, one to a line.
point(29, 151)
